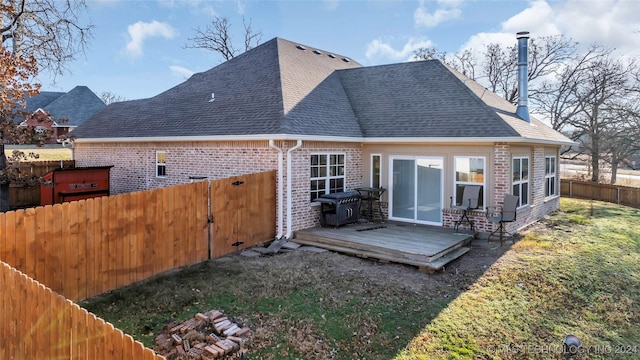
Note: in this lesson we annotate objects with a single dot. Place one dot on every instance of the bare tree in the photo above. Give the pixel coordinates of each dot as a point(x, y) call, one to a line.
point(555, 97)
point(602, 99)
point(108, 97)
point(48, 30)
point(217, 37)
point(36, 34)
point(496, 66)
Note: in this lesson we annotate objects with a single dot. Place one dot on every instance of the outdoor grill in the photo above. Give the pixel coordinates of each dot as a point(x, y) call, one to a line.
point(339, 208)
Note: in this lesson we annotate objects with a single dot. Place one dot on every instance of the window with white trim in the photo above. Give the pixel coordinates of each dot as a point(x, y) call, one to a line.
point(327, 174)
point(549, 176)
point(376, 159)
point(469, 171)
point(161, 164)
point(520, 180)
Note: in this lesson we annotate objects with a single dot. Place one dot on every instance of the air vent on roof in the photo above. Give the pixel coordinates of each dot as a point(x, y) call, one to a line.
point(301, 47)
point(332, 56)
point(213, 97)
point(346, 59)
point(316, 51)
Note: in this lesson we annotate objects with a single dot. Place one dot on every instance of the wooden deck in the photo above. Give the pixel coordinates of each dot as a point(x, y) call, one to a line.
point(428, 247)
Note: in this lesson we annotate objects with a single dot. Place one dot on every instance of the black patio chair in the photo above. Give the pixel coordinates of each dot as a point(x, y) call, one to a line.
point(503, 214)
point(470, 201)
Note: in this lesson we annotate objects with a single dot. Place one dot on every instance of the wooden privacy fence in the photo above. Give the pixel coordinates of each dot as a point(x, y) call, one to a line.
point(84, 248)
point(622, 195)
point(243, 212)
point(22, 195)
point(37, 323)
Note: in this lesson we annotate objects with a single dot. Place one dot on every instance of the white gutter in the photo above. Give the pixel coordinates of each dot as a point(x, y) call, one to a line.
point(289, 210)
point(280, 189)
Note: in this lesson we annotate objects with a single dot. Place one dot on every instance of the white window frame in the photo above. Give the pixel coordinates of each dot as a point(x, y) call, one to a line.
point(328, 189)
point(483, 183)
point(521, 180)
point(550, 178)
point(374, 176)
point(161, 164)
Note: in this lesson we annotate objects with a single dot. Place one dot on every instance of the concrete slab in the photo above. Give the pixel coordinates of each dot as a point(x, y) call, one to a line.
point(262, 250)
point(250, 253)
point(290, 245)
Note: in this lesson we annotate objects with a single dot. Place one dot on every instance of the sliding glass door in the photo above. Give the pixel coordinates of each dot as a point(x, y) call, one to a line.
point(416, 189)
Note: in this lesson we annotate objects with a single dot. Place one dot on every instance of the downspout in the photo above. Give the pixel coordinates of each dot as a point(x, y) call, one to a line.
point(280, 188)
point(289, 210)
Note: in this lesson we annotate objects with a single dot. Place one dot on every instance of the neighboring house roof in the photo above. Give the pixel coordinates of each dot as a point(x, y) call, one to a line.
point(282, 90)
point(77, 105)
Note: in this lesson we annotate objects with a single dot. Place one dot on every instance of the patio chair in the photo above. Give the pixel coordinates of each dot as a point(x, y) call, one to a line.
point(503, 214)
point(469, 201)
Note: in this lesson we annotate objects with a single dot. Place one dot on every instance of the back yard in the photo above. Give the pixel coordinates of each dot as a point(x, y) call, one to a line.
point(577, 272)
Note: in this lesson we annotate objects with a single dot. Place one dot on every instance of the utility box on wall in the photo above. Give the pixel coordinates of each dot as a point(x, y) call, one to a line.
point(62, 185)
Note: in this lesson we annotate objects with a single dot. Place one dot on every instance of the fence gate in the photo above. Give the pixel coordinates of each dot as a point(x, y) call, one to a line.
point(243, 212)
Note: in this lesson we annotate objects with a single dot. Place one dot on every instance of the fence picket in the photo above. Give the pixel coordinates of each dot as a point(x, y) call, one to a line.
point(122, 259)
point(20, 240)
point(29, 246)
point(81, 219)
point(55, 253)
point(38, 246)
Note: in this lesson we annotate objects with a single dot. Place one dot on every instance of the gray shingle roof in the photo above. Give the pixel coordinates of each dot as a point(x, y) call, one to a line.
point(77, 105)
point(281, 88)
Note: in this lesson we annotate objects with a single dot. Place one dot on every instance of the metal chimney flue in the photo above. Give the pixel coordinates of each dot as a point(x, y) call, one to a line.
point(523, 82)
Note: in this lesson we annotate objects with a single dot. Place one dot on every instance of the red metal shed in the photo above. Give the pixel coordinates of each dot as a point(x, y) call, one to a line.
point(69, 184)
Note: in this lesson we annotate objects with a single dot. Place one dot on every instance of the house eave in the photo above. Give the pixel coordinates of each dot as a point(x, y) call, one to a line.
point(467, 140)
point(343, 139)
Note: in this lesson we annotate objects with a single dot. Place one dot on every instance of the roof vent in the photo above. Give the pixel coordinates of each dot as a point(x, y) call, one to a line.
point(346, 59)
point(316, 51)
point(301, 47)
point(332, 56)
point(213, 97)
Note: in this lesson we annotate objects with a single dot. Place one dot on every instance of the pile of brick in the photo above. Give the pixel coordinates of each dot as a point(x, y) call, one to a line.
point(206, 336)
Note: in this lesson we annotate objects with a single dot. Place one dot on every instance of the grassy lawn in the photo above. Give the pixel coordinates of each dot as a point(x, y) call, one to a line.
point(578, 275)
point(44, 154)
point(577, 272)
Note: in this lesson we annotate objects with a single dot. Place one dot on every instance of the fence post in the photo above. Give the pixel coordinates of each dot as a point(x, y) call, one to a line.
point(618, 196)
point(570, 188)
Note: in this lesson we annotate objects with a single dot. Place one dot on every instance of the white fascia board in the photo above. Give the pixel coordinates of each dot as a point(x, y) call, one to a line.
point(466, 140)
point(266, 137)
point(256, 137)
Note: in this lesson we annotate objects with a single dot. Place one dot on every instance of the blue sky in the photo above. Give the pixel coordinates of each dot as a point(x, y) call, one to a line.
point(137, 49)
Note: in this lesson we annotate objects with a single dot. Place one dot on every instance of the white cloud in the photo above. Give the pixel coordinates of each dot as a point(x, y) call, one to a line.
point(331, 4)
point(380, 50)
point(447, 10)
point(181, 72)
point(141, 31)
point(612, 23)
point(537, 19)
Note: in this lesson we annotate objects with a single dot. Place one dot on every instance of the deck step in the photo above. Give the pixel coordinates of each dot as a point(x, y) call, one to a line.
point(449, 257)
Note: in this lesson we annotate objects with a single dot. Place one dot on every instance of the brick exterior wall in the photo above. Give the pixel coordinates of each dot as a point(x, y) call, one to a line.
point(134, 166)
point(305, 214)
point(539, 206)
